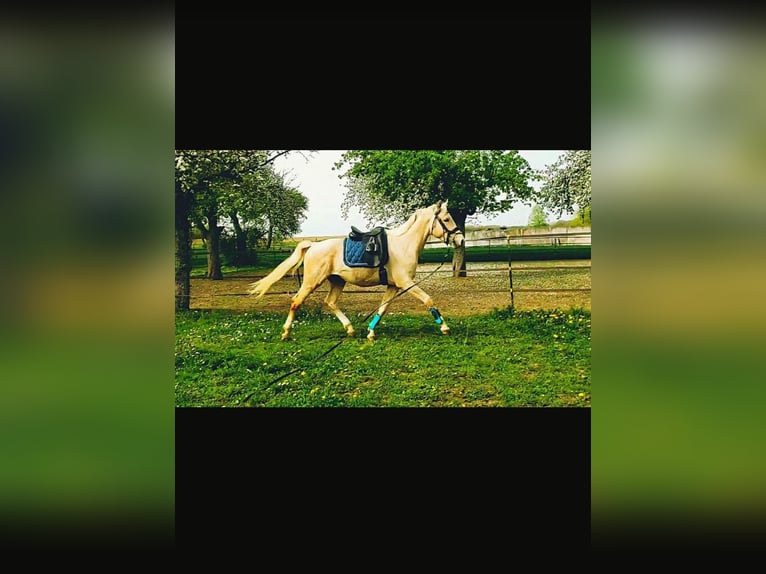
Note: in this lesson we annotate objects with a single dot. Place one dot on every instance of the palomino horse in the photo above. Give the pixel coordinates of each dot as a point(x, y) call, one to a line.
point(324, 260)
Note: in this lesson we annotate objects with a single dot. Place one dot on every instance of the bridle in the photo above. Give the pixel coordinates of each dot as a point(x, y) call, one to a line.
point(447, 232)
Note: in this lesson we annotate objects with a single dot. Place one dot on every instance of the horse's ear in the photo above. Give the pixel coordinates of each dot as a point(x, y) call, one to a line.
point(438, 206)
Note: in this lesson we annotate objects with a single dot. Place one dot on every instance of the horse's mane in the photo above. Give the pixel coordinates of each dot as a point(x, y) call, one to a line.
point(404, 227)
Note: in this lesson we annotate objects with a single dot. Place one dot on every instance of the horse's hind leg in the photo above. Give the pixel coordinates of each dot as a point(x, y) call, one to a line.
point(390, 293)
point(308, 286)
point(421, 295)
point(336, 288)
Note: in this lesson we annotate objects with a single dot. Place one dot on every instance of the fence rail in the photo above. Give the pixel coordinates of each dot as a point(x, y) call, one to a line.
point(505, 240)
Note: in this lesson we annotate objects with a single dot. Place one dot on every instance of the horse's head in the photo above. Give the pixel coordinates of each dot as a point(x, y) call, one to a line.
point(448, 229)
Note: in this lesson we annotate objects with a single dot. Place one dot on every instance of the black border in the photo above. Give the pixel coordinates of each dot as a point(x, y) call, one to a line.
point(515, 78)
point(517, 477)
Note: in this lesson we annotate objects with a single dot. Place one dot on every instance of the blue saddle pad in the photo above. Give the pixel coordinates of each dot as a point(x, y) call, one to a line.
point(353, 253)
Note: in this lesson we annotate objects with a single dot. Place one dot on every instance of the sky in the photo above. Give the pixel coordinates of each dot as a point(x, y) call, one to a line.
point(314, 177)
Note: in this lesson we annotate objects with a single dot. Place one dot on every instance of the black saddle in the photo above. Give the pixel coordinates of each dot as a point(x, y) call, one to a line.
point(357, 235)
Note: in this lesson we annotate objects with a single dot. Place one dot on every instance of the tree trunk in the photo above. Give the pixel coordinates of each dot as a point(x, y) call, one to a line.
point(458, 259)
point(271, 234)
point(213, 246)
point(183, 251)
point(240, 254)
point(458, 262)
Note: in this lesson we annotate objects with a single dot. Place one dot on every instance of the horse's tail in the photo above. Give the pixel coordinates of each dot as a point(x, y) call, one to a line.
point(260, 288)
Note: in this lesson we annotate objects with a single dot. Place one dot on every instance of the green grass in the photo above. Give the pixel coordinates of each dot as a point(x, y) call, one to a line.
point(501, 359)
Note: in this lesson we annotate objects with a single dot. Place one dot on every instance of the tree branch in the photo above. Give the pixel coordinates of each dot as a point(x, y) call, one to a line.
point(268, 161)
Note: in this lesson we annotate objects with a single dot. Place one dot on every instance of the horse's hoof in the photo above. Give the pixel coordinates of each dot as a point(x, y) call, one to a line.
point(285, 336)
point(371, 338)
point(351, 332)
point(445, 331)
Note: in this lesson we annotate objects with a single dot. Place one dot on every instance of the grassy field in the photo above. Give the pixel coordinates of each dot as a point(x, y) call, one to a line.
point(499, 359)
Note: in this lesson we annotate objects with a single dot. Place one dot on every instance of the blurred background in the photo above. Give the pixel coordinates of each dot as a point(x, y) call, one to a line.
point(679, 270)
point(86, 318)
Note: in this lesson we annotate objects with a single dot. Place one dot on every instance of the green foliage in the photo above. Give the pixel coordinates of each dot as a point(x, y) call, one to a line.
point(567, 183)
point(537, 218)
point(581, 219)
point(241, 186)
point(268, 205)
point(387, 185)
point(229, 255)
point(501, 359)
point(241, 182)
point(285, 212)
point(199, 172)
point(583, 216)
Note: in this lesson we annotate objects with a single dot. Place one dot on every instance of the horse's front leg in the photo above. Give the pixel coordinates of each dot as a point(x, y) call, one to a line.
point(421, 295)
point(390, 293)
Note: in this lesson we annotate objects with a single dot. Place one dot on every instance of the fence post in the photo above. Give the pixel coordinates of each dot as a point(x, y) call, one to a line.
point(510, 271)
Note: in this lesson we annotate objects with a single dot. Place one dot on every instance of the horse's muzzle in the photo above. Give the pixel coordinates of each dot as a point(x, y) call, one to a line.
point(458, 240)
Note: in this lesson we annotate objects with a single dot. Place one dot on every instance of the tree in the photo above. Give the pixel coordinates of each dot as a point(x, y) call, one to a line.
point(281, 207)
point(206, 209)
point(194, 171)
point(241, 201)
point(264, 206)
point(222, 194)
point(537, 218)
point(199, 175)
point(387, 185)
point(566, 184)
point(183, 244)
point(286, 221)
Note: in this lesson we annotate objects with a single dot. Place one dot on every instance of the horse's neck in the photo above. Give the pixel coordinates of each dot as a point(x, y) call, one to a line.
point(416, 235)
